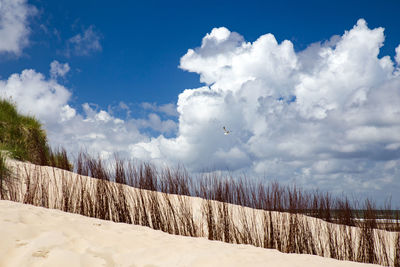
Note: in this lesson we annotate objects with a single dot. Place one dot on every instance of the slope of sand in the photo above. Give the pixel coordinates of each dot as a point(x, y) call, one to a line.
point(34, 236)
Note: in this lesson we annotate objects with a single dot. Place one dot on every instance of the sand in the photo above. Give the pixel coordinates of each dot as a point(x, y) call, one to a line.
point(35, 236)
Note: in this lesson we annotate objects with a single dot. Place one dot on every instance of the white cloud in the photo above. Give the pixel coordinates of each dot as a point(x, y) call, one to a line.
point(84, 43)
point(14, 29)
point(46, 99)
point(168, 109)
point(67, 113)
point(95, 130)
point(397, 57)
point(346, 75)
point(58, 69)
point(328, 115)
point(155, 123)
point(36, 95)
point(123, 105)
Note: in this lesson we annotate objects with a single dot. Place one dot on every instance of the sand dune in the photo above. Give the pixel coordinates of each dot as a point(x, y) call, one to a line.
point(32, 236)
point(35, 236)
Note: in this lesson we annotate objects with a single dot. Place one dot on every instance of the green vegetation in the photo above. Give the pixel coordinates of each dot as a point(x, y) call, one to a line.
point(22, 136)
point(24, 139)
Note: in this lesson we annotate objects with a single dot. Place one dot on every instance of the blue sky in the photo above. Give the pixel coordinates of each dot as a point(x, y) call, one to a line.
point(142, 41)
point(309, 89)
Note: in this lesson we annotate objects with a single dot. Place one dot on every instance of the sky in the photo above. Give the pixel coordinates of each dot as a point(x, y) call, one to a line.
point(310, 91)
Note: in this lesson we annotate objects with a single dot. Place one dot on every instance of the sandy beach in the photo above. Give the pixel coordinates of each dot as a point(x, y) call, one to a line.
point(35, 236)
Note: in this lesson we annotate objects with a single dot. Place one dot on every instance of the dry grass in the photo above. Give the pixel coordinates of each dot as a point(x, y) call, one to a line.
point(234, 211)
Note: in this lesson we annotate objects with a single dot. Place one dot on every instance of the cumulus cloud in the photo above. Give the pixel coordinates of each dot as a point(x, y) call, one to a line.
point(36, 95)
point(58, 69)
point(328, 115)
point(14, 29)
point(85, 43)
point(95, 130)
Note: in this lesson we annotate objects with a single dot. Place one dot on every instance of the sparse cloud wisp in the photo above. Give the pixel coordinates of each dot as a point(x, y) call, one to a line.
point(58, 69)
point(84, 43)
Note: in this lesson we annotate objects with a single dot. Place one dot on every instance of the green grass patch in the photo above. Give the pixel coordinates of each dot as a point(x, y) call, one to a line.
point(21, 135)
point(25, 139)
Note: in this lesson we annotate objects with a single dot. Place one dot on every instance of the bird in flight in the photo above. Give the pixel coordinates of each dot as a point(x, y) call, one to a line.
point(226, 132)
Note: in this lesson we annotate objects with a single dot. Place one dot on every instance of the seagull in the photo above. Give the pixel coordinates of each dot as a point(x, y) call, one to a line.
point(226, 132)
